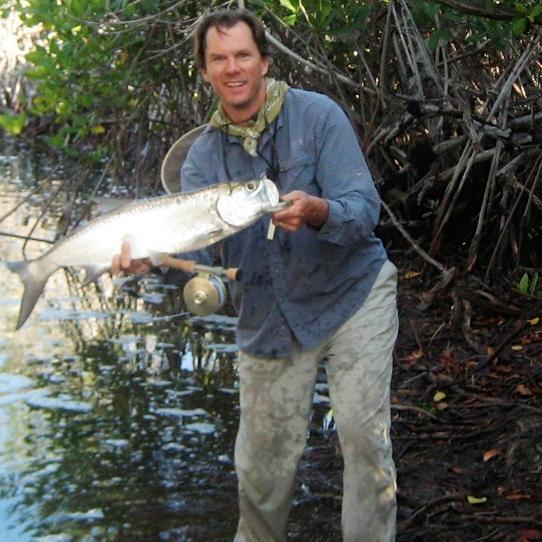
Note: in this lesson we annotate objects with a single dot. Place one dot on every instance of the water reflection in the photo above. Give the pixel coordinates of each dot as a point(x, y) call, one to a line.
point(118, 436)
point(116, 421)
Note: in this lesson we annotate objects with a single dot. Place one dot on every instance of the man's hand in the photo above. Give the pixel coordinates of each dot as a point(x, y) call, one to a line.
point(123, 262)
point(303, 209)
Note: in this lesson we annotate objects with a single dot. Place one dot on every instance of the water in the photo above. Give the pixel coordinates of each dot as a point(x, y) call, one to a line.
point(116, 422)
point(118, 411)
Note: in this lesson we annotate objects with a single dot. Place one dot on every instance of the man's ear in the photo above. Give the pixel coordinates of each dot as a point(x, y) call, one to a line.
point(265, 66)
point(204, 75)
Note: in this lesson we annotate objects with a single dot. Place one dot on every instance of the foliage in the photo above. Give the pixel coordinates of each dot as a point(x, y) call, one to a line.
point(107, 76)
point(426, 84)
point(12, 124)
point(530, 286)
point(98, 62)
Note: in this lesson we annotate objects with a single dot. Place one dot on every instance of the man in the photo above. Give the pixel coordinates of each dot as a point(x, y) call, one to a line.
point(318, 288)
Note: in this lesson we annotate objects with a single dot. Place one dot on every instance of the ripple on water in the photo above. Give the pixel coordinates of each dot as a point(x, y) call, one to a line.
point(179, 412)
point(10, 382)
point(54, 538)
point(58, 403)
point(117, 443)
point(203, 428)
point(94, 514)
point(71, 314)
point(14, 397)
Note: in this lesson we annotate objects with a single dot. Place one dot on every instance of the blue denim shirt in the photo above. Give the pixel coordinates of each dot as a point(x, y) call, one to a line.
point(300, 286)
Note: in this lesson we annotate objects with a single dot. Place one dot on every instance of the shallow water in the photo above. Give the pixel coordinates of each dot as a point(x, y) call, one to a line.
point(117, 417)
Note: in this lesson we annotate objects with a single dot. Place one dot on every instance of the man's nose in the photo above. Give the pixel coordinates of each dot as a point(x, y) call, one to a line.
point(232, 66)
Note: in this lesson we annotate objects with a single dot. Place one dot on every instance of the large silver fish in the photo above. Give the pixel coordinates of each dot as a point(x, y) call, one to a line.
point(158, 226)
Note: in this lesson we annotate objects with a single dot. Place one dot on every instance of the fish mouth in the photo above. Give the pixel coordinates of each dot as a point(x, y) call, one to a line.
point(272, 193)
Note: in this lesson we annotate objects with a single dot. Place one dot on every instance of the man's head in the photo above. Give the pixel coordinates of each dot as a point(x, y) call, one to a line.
point(231, 51)
point(225, 19)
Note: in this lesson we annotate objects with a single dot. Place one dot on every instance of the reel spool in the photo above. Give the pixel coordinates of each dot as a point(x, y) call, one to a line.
point(204, 295)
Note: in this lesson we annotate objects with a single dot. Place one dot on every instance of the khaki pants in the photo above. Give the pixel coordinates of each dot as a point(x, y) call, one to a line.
point(276, 401)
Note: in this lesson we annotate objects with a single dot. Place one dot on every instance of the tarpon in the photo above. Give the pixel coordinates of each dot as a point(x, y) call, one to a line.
point(158, 226)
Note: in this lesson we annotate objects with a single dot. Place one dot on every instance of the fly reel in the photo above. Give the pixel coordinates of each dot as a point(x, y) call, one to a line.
point(204, 294)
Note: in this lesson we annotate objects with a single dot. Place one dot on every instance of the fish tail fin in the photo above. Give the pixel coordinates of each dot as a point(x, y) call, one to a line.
point(34, 280)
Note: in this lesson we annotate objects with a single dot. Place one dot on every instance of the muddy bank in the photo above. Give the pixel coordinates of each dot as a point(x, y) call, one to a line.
point(467, 427)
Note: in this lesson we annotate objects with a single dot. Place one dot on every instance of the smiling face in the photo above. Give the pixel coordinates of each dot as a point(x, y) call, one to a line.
point(235, 69)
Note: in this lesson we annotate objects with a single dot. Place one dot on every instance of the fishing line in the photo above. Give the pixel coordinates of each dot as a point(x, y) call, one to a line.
point(27, 238)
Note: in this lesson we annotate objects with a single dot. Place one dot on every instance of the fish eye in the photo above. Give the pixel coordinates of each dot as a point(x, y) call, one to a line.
point(251, 186)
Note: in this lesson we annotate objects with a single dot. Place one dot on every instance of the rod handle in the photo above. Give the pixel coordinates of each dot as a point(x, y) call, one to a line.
point(191, 266)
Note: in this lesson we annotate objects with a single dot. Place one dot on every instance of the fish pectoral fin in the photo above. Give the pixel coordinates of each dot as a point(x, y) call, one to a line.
point(92, 273)
point(209, 236)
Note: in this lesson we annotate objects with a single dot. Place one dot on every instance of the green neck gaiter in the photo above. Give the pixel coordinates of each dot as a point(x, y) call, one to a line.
point(275, 94)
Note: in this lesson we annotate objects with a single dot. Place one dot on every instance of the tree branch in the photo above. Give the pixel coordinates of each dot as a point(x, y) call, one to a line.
point(478, 8)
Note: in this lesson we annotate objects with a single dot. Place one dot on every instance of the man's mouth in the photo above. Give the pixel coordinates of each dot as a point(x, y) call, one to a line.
point(234, 84)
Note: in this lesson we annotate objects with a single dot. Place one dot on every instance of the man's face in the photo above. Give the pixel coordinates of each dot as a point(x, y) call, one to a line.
point(235, 70)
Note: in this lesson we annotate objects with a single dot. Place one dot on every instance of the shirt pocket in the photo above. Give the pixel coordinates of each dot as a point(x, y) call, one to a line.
point(299, 173)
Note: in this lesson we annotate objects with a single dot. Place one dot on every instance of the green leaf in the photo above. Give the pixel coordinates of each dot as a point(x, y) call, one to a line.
point(523, 284)
point(12, 124)
point(438, 36)
point(535, 12)
point(290, 20)
point(521, 8)
point(431, 10)
point(519, 26)
point(288, 5)
point(56, 141)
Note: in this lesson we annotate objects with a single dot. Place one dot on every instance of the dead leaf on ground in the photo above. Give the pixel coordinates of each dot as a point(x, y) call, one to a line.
point(524, 390)
point(409, 361)
point(490, 454)
point(411, 275)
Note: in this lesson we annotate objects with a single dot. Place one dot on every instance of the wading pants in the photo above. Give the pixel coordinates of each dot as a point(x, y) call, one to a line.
point(276, 400)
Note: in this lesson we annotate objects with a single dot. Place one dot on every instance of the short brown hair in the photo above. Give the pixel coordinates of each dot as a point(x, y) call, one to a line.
point(226, 18)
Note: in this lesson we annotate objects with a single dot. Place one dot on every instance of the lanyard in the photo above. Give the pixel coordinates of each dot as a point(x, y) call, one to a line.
point(273, 165)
